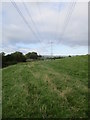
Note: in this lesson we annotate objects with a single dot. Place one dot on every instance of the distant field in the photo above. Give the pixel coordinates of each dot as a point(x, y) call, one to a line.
point(46, 89)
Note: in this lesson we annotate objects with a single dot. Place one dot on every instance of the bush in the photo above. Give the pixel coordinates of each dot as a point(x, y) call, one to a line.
point(12, 58)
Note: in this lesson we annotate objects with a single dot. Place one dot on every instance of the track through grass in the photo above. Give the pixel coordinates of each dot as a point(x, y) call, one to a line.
point(46, 89)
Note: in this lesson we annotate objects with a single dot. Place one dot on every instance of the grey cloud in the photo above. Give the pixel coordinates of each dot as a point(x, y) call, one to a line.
point(49, 23)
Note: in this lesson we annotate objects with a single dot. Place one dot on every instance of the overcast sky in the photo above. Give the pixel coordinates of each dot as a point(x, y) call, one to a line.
point(36, 25)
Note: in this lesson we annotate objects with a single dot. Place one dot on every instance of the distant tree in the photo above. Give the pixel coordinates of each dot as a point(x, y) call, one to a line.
point(2, 53)
point(28, 55)
point(2, 59)
point(2, 56)
point(31, 55)
point(39, 57)
point(9, 57)
point(18, 57)
point(12, 58)
point(69, 56)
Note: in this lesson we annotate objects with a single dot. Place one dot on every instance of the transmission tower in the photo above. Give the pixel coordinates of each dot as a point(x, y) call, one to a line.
point(51, 49)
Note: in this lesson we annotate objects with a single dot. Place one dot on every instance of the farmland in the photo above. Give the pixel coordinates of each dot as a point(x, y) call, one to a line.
point(46, 89)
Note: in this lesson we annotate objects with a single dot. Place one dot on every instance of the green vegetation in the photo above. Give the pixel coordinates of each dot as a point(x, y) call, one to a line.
point(46, 89)
point(0, 93)
point(17, 57)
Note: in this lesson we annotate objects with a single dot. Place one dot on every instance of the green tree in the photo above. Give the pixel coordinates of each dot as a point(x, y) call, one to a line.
point(31, 55)
point(28, 55)
point(18, 57)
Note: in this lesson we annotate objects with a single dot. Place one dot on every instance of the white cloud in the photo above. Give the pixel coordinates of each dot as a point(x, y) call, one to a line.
point(77, 29)
point(49, 22)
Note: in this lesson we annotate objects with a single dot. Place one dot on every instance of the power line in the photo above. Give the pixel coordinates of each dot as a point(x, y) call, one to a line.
point(68, 16)
point(67, 19)
point(29, 14)
point(39, 7)
point(20, 13)
point(51, 49)
point(57, 20)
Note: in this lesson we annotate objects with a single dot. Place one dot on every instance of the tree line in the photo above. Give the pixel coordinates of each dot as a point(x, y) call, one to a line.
point(17, 57)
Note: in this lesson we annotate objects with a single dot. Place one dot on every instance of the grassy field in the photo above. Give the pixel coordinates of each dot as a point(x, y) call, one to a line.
point(46, 89)
point(0, 93)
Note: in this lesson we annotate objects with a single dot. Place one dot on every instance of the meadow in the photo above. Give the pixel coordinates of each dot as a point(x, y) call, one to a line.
point(46, 89)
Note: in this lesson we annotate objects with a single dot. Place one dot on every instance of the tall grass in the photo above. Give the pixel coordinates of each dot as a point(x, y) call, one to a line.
point(46, 89)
